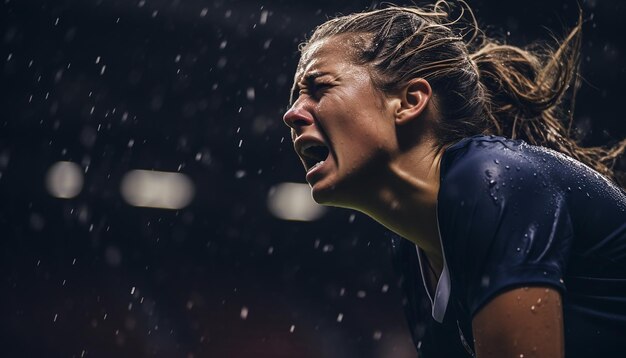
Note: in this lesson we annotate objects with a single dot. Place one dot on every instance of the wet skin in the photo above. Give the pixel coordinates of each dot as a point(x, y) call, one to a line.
point(337, 106)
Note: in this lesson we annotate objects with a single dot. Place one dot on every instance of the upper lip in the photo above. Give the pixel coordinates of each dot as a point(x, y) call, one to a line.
point(302, 143)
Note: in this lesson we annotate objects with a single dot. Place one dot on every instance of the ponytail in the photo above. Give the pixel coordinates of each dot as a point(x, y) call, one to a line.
point(528, 93)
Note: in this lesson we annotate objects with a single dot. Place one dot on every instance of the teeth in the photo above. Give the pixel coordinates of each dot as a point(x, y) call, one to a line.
point(306, 146)
point(309, 145)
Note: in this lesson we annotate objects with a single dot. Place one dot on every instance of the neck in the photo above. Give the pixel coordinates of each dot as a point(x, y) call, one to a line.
point(405, 199)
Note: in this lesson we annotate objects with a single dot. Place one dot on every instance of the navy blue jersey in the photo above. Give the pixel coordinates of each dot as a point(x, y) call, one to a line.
point(512, 215)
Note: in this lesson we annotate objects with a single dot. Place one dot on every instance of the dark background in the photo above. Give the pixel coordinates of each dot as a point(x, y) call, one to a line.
point(94, 276)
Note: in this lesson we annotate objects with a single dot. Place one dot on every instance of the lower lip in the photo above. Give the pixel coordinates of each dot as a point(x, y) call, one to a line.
point(315, 172)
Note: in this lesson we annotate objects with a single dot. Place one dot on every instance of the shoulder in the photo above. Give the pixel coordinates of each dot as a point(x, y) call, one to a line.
point(499, 210)
point(489, 164)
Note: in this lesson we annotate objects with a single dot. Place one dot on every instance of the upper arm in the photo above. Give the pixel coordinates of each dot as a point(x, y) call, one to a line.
point(522, 322)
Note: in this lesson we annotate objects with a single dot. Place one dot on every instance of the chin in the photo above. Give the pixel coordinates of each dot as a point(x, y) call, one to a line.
point(330, 195)
point(324, 192)
point(322, 196)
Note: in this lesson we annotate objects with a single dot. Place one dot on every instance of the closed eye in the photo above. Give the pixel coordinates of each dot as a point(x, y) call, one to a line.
point(310, 85)
point(316, 90)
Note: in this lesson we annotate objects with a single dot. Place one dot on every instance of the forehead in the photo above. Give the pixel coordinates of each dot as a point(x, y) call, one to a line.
point(325, 54)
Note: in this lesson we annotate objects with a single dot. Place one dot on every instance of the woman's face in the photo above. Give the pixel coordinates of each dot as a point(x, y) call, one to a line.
point(343, 129)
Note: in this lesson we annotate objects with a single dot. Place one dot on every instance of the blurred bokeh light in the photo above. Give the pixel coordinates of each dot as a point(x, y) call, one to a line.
point(64, 180)
point(293, 201)
point(154, 189)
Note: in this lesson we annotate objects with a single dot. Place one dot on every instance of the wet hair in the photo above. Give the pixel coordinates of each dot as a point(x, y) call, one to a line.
point(480, 85)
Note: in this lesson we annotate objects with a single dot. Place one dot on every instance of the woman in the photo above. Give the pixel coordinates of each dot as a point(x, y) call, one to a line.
point(521, 248)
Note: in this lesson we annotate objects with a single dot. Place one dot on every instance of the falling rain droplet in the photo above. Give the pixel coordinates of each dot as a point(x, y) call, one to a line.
point(250, 93)
point(263, 18)
point(244, 313)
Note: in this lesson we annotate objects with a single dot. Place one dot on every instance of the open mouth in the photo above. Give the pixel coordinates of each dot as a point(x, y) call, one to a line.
point(313, 155)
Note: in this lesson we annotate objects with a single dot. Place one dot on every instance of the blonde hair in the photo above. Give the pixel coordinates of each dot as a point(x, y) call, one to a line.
point(482, 86)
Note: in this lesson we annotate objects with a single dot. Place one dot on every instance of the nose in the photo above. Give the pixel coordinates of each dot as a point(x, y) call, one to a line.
point(297, 117)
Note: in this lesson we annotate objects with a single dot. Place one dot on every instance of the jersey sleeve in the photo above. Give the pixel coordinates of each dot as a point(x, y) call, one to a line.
point(504, 224)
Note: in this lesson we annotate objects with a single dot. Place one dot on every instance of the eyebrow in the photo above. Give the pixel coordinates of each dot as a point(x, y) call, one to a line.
point(313, 75)
point(308, 79)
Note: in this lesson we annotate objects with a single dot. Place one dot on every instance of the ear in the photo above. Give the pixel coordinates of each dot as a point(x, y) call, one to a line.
point(414, 98)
